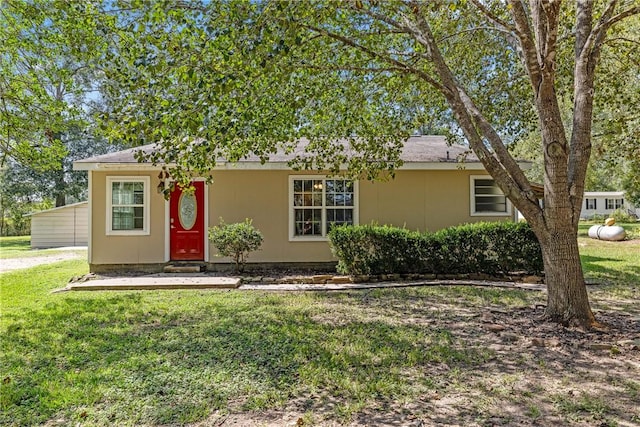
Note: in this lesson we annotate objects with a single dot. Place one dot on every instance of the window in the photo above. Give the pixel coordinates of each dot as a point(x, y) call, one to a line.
point(318, 204)
point(613, 203)
point(487, 198)
point(591, 204)
point(127, 205)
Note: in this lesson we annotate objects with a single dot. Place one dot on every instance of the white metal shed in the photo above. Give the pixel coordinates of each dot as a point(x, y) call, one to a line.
point(63, 226)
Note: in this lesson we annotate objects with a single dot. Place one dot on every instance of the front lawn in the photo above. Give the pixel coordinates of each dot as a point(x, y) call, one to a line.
point(632, 228)
point(20, 247)
point(443, 355)
point(14, 246)
point(174, 357)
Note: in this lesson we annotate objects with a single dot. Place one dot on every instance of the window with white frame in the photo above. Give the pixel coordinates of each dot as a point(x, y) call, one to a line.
point(127, 205)
point(591, 204)
point(613, 203)
point(487, 198)
point(320, 203)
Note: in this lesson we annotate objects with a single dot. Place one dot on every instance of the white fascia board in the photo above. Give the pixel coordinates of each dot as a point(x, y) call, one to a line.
point(452, 166)
point(115, 166)
point(405, 166)
point(252, 166)
point(441, 166)
point(281, 166)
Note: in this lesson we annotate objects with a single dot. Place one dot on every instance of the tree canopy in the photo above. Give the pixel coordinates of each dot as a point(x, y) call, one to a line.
point(209, 80)
point(225, 79)
point(46, 70)
point(49, 83)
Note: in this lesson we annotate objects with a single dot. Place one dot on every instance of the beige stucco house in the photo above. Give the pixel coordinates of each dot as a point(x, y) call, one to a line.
point(132, 226)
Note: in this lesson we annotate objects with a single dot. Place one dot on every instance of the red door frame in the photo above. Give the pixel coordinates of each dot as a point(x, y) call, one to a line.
point(188, 244)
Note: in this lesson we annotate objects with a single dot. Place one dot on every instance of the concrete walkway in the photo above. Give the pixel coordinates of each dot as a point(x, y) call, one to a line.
point(377, 285)
point(155, 282)
point(203, 281)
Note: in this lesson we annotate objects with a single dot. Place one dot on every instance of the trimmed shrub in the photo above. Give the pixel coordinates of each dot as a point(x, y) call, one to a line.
point(489, 248)
point(236, 241)
point(371, 249)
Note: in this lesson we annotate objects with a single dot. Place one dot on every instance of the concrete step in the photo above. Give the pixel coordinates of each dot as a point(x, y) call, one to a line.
point(184, 268)
point(156, 282)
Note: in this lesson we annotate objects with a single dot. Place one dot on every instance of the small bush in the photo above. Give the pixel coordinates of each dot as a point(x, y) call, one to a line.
point(621, 215)
point(597, 218)
point(489, 248)
point(236, 241)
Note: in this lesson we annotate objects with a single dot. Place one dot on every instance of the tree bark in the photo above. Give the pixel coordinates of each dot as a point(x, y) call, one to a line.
point(567, 298)
point(60, 185)
point(61, 199)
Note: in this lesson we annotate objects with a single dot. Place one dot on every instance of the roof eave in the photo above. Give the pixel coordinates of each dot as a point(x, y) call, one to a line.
point(91, 166)
point(71, 205)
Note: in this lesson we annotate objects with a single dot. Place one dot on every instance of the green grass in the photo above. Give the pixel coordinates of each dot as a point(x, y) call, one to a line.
point(573, 406)
point(15, 246)
point(20, 247)
point(615, 266)
point(632, 229)
point(174, 357)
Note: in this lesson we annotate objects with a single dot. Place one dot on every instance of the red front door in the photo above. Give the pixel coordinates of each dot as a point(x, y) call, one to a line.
point(186, 222)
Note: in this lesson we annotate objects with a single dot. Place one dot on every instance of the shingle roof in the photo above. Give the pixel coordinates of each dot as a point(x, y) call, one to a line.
point(417, 149)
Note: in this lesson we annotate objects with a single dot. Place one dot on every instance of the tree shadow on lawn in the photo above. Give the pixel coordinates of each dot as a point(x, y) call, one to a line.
point(536, 372)
point(129, 359)
point(15, 243)
point(147, 359)
point(602, 268)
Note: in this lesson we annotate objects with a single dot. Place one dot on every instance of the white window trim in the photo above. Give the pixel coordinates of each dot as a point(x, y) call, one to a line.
point(608, 202)
point(146, 212)
point(291, 218)
point(472, 198)
point(616, 203)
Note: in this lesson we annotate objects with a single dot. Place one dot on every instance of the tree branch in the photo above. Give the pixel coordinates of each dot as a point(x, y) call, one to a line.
point(527, 43)
point(622, 15)
point(399, 64)
point(493, 17)
point(473, 30)
point(499, 163)
point(354, 68)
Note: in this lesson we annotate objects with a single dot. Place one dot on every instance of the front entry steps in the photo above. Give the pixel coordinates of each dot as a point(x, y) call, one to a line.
point(184, 267)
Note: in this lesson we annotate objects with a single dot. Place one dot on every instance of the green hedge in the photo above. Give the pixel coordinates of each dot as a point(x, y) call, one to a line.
point(488, 248)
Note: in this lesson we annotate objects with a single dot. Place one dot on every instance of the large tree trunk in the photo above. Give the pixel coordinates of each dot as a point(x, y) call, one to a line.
point(61, 186)
point(567, 299)
point(556, 223)
point(61, 200)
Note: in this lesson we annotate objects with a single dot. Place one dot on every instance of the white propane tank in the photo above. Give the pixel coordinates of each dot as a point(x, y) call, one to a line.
point(613, 233)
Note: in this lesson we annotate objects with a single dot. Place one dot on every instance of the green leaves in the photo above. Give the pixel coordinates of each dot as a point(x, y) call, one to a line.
point(44, 73)
point(236, 241)
point(488, 248)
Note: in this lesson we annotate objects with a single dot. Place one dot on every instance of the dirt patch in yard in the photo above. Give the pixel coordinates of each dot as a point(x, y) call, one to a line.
point(534, 373)
point(10, 264)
